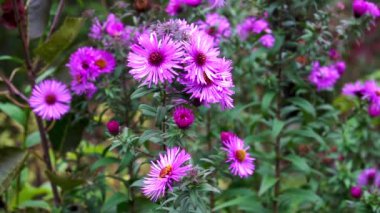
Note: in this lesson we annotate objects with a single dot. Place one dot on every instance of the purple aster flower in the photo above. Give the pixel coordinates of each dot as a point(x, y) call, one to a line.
point(367, 177)
point(244, 29)
point(259, 26)
point(216, 3)
point(362, 7)
point(96, 31)
point(83, 88)
point(113, 127)
point(340, 67)
point(50, 99)
point(374, 107)
point(356, 192)
point(82, 62)
point(174, 7)
point(183, 117)
point(113, 26)
point(226, 136)
point(216, 90)
point(192, 3)
point(241, 163)
point(373, 10)
point(165, 172)
point(216, 26)
point(153, 60)
point(267, 40)
point(353, 89)
point(370, 90)
point(104, 61)
point(323, 77)
point(201, 60)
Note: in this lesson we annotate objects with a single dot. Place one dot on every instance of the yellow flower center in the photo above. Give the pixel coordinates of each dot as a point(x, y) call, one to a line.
point(240, 155)
point(166, 171)
point(101, 63)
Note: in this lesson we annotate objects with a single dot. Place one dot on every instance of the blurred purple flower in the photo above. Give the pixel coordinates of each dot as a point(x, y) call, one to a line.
point(353, 89)
point(113, 127)
point(216, 3)
point(267, 40)
point(367, 177)
point(174, 7)
point(323, 77)
point(340, 67)
point(356, 192)
point(362, 7)
point(216, 26)
point(192, 3)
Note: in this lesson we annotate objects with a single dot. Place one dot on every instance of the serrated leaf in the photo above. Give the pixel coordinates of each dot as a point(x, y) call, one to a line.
point(11, 161)
point(14, 112)
point(60, 40)
point(267, 183)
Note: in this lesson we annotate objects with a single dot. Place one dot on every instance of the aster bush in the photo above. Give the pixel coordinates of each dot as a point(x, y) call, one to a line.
point(188, 106)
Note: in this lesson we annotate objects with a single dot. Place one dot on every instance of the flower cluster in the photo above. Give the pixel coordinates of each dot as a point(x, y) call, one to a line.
point(241, 163)
point(178, 50)
point(256, 26)
point(111, 31)
point(368, 91)
point(325, 77)
point(175, 7)
point(169, 169)
point(367, 179)
point(50, 99)
point(216, 26)
point(363, 7)
point(86, 65)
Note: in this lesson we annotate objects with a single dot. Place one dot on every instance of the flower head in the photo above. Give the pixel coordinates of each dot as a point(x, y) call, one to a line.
point(192, 3)
point(226, 136)
point(104, 61)
point(167, 170)
point(82, 62)
point(50, 99)
point(113, 127)
point(356, 192)
point(174, 7)
point(153, 60)
point(96, 30)
point(353, 89)
point(113, 26)
point(201, 59)
point(183, 117)
point(340, 66)
point(267, 40)
point(216, 26)
point(367, 177)
point(323, 77)
point(259, 26)
point(362, 7)
point(241, 163)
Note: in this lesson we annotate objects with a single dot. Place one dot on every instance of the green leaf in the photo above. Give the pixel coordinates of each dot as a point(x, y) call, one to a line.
point(104, 162)
point(277, 128)
point(112, 202)
point(142, 91)
point(33, 139)
point(11, 161)
point(147, 110)
point(267, 100)
point(137, 183)
point(305, 105)
point(247, 203)
point(11, 58)
point(40, 204)
point(65, 182)
point(14, 112)
point(150, 135)
point(295, 197)
point(209, 188)
point(299, 162)
point(267, 183)
point(60, 40)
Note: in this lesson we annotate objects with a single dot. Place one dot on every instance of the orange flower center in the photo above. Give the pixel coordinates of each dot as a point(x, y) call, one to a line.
point(240, 155)
point(166, 171)
point(101, 63)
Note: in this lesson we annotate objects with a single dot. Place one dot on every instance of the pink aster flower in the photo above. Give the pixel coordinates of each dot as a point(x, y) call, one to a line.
point(104, 61)
point(113, 26)
point(216, 3)
point(353, 89)
point(241, 163)
point(201, 60)
point(367, 177)
point(267, 40)
point(216, 26)
point(50, 99)
point(153, 60)
point(259, 26)
point(167, 170)
point(323, 77)
point(215, 90)
point(192, 3)
point(82, 62)
point(174, 7)
point(183, 117)
point(244, 29)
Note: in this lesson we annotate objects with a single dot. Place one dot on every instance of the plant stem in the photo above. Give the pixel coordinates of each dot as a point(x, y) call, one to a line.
point(209, 147)
point(28, 62)
point(278, 138)
point(60, 7)
point(163, 125)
